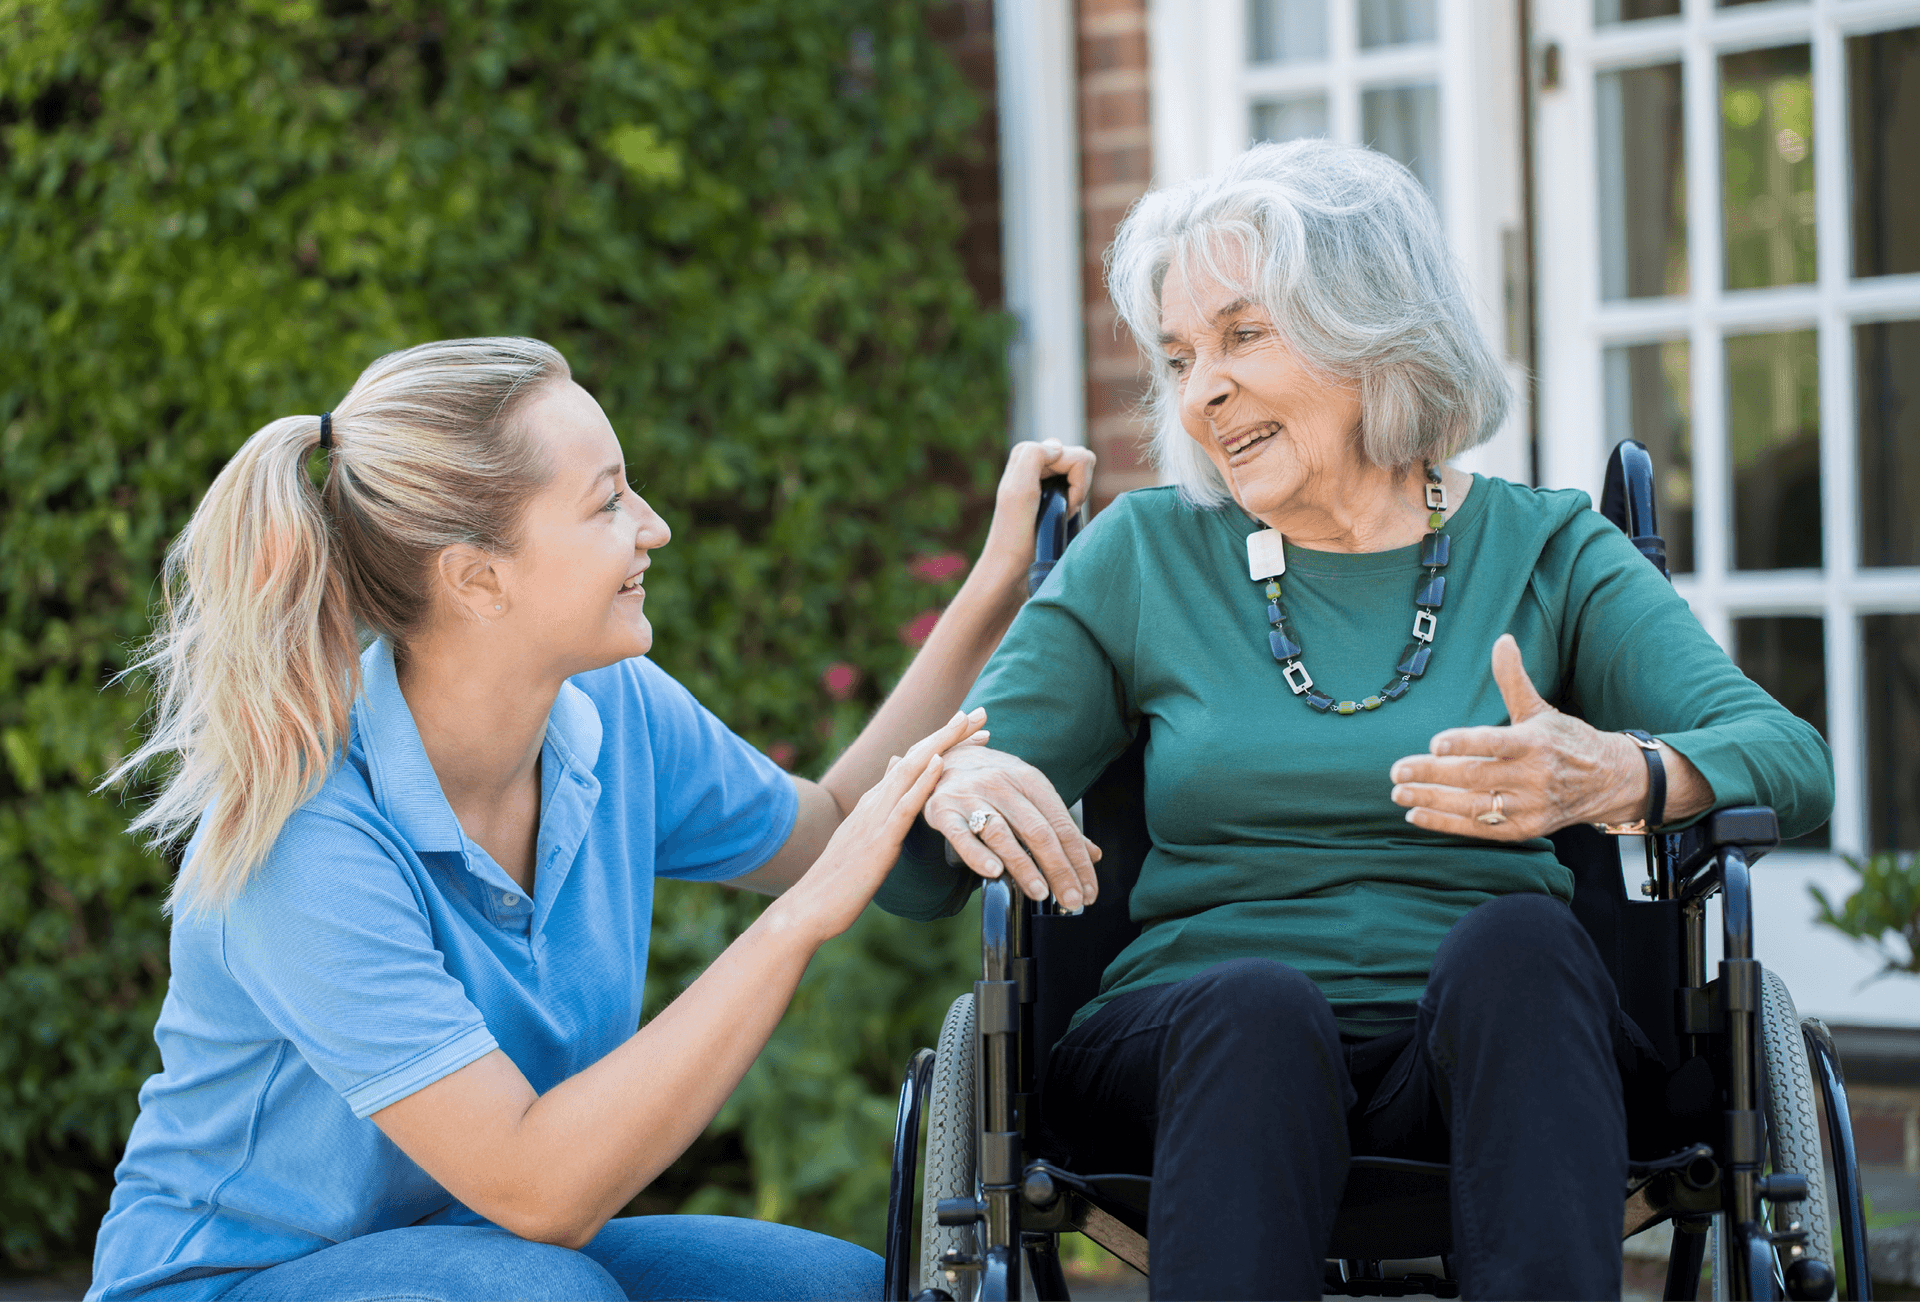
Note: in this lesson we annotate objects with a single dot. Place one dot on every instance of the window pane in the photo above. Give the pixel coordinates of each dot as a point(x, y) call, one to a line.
point(1773, 427)
point(1403, 122)
point(1285, 31)
point(1766, 173)
point(1627, 11)
point(1643, 183)
point(1787, 655)
point(1395, 22)
point(1887, 382)
point(1290, 119)
point(1883, 103)
point(1892, 645)
point(1650, 398)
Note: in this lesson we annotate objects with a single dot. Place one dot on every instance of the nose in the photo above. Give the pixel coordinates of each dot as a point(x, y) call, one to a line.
point(653, 531)
point(1207, 389)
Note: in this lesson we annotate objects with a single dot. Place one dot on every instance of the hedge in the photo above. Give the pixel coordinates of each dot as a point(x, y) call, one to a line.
point(729, 214)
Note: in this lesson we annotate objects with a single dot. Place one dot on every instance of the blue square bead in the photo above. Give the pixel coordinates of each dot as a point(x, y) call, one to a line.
point(1434, 548)
point(1284, 647)
point(1414, 663)
point(1432, 592)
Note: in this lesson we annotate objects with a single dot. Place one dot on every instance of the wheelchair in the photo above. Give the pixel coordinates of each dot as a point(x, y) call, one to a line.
point(1724, 1132)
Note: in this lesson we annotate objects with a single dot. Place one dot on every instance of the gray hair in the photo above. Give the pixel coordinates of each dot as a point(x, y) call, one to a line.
point(1343, 248)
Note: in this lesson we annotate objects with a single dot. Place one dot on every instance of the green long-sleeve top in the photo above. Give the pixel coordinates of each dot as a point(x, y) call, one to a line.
point(1273, 834)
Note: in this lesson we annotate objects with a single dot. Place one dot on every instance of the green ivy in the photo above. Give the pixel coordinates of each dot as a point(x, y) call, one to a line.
point(732, 218)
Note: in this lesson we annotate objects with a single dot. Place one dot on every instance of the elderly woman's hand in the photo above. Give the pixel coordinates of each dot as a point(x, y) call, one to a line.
point(1550, 769)
point(1026, 830)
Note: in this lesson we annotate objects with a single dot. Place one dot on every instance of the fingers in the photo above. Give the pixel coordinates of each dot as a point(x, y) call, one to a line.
point(1516, 689)
point(1487, 742)
point(914, 798)
point(1471, 772)
point(1434, 820)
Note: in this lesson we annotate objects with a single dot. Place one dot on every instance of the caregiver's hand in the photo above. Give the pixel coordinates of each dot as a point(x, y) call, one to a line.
point(1028, 833)
point(843, 879)
point(1017, 501)
point(1551, 770)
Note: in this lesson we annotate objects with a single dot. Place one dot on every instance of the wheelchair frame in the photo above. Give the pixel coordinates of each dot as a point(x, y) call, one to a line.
point(1022, 1204)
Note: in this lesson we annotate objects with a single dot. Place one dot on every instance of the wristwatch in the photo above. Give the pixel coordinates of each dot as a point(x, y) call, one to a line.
point(1656, 788)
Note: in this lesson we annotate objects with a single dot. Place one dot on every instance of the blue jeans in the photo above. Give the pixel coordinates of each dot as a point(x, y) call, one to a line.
point(692, 1258)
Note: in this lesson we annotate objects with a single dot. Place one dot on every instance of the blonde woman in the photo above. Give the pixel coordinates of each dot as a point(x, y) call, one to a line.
point(400, 1055)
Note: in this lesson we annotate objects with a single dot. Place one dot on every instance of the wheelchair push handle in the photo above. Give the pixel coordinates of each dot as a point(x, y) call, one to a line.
point(1054, 528)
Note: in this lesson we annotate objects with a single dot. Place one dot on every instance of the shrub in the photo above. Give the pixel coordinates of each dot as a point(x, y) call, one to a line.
point(729, 214)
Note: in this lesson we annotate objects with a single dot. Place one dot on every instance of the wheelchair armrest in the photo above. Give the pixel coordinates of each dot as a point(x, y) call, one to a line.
point(1752, 828)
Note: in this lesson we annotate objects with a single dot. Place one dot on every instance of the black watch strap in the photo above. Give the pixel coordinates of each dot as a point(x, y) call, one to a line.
point(1656, 788)
point(1656, 778)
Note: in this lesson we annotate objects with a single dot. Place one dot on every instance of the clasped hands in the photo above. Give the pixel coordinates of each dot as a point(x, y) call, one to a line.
point(1550, 769)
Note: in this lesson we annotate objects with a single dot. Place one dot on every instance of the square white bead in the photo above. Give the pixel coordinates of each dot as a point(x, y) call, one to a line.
point(1266, 555)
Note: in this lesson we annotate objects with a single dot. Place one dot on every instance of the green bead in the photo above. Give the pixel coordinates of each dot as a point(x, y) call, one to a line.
point(1273, 590)
point(1436, 519)
point(1372, 703)
point(1347, 707)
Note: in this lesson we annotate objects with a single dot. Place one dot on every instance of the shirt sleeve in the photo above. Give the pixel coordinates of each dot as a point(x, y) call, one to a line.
point(332, 942)
point(721, 808)
point(1057, 695)
point(1641, 660)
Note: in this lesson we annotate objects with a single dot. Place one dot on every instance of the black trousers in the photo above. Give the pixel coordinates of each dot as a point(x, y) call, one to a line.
point(1235, 1090)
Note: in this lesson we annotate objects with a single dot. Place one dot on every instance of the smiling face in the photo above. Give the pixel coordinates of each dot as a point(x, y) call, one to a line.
point(572, 592)
point(1274, 426)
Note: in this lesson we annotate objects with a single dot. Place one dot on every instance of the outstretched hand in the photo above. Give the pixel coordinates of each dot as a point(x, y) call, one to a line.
point(1549, 769)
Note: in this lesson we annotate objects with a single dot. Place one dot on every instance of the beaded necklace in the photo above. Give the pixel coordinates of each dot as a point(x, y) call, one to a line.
point(1267, 561)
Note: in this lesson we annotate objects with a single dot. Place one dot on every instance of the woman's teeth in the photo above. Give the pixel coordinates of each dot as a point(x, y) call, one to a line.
point(630, 584)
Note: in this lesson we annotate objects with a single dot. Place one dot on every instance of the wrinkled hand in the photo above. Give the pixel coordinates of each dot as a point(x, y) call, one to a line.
point(857, 858)
point(1031, 835)
point(1551, 770)
point(1016, 502)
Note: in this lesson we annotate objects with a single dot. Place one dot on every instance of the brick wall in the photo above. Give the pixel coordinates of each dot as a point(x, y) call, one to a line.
point(1116, 164)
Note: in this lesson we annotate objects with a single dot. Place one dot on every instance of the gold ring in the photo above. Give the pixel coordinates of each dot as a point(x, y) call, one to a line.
point(1498, 814)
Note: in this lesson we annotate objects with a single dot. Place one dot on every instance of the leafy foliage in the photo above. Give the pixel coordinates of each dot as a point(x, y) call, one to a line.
point(728, 214)
point(1884, 914)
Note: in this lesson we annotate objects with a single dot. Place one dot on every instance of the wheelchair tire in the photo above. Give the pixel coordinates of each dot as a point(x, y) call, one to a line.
point(951, 1127)
point(1793, 1116)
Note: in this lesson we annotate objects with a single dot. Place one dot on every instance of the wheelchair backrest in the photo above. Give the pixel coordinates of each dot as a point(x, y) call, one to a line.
point(1640, 942)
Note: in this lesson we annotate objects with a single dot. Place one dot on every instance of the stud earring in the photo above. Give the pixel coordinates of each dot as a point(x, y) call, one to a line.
point(496, 605)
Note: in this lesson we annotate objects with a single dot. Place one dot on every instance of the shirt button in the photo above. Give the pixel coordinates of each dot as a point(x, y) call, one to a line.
point(510, 900)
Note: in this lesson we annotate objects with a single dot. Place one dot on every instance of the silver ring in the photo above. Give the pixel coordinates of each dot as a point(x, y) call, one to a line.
point(978, 820)
point(1497, 815)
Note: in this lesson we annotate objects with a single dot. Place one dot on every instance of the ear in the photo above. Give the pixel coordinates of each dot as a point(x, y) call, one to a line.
point(468, 579)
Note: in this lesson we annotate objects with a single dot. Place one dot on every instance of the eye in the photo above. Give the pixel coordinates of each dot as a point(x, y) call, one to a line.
point(613, 503)
point(1178, 365)
point(1245, 334)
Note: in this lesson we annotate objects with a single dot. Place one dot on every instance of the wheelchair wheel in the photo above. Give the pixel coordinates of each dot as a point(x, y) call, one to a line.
point(951, 1125)
point(1793, 1117)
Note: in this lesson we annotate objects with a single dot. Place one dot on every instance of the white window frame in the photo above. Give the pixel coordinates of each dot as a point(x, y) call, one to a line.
point(1576, 327)
point(1203, 90)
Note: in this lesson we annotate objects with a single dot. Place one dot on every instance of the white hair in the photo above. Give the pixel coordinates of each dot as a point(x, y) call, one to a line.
point(1343, 248)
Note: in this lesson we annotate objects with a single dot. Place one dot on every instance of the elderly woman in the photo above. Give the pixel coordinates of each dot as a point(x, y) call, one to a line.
point(1372, 685)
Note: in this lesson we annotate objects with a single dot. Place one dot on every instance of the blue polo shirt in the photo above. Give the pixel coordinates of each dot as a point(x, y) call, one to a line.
point(378, 950)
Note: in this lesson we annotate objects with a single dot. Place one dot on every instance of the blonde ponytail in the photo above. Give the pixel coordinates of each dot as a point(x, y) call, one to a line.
point(273, 583)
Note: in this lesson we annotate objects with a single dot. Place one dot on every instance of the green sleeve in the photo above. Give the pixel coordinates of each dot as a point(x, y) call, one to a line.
point(1057, 695)
point(1641, 660)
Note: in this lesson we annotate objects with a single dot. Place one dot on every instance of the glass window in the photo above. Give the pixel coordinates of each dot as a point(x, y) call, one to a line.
point(1643, 183)
point(1403, 122)
point(1787, 655)
point(1628, 11)
point(1766, 109)
point(1773, 431)
point(1883, 109)
point(1290, 119)
point(1887, 387)
point(1396, 22)
point(1650, 398)
point(1892, 707)
point(1287, 31)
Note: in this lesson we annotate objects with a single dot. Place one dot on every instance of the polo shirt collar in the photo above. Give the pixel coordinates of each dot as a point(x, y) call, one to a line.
point(407, 791)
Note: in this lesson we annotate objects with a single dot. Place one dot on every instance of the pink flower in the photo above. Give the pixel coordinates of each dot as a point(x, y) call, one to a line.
point(920, 627)
point(781, 753)
point(932, 569)
point(840, 680)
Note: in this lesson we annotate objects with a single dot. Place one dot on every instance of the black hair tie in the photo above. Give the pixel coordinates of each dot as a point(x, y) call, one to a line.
point(326, 431)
